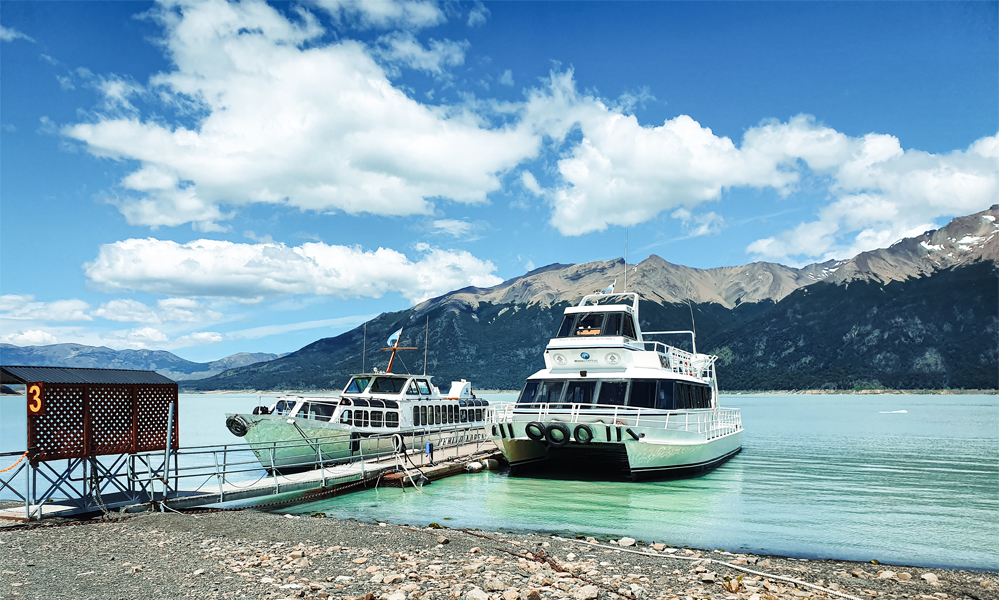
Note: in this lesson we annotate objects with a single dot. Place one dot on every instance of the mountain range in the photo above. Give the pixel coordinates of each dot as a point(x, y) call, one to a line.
point(919, 314)
point(100, 357)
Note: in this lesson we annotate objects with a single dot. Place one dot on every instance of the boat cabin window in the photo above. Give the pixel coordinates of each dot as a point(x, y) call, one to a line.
point(643, 393)
point(283, 407)
point(391, 419)
point(464, 416)
point(376, 418)
point(388, 385)
point(361, 418)
point(345, 417)
point(580, 392)
point(597, 323)
point(411, 389)
point(689, 395)
point(613, 393)
point(423, 386)
point(315, 411)
point(357, 385)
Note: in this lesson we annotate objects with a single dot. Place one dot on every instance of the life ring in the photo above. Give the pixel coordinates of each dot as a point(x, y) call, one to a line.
point(561, 440)
point(237, 425)
point(535, 431)
point(583, 434)
point(261, 410)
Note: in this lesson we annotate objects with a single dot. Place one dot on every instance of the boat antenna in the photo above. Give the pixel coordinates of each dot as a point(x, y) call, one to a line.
point(694, 333)
point(364, 347)
point(625, 284)
point(427, 328)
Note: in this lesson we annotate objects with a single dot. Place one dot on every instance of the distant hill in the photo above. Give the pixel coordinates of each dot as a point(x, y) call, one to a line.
point(919, 314)
point(100, 357)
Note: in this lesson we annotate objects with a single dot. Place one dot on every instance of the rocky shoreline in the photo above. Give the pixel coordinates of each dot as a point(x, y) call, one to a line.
point(265, 556)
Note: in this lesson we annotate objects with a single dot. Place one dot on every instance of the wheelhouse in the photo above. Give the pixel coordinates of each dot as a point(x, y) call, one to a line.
point(660, 394)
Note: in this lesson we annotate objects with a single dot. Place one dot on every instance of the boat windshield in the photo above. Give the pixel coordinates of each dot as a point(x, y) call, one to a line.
point(357, 385)
point(597, 323)
point(388, 385)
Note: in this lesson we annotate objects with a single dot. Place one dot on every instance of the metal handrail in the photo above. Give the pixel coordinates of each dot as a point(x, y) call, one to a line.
point(710, 422)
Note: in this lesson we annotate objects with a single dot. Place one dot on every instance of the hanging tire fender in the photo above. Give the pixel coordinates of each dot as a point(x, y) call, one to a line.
point(535, 431)
point(561, 440)
point(583, 434)
point(237, 425)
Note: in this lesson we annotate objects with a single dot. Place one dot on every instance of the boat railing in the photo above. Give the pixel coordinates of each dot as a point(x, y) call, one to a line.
point(683, 362)
point(710, 423)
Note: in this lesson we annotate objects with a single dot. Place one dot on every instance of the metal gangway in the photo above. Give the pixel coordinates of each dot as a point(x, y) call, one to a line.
point(180, 478)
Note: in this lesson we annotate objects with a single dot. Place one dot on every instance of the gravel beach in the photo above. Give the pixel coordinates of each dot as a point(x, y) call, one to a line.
point(257, 555)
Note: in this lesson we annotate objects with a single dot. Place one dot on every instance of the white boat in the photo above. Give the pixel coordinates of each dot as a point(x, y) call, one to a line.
point(610, 400)
point(377, 413)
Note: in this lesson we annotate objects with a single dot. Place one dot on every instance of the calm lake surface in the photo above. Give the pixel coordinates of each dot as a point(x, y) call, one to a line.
point(819, 477)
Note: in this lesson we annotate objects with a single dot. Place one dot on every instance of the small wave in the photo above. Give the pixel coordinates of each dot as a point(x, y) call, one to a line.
point(890, 412)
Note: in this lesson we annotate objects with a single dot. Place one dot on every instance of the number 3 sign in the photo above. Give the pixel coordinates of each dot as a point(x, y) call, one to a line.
point(36, 399)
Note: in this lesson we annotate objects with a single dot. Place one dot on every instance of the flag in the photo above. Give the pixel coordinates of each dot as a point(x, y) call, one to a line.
point(394, 337)
point(610, 288)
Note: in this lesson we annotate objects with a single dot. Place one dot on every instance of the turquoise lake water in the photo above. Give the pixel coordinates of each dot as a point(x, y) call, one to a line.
point(819, 477)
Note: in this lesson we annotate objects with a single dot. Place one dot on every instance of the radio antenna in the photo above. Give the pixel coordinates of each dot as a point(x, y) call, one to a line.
point(625, 285)
point(694, 333)
point(364, 347)
point(427, 328)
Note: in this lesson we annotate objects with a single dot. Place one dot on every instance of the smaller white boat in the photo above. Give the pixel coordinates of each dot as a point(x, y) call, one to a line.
point(377, 413)
point(609, 400)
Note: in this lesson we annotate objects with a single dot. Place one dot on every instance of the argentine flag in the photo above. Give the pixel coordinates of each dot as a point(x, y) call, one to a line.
point(394, 337)
point(610, 288)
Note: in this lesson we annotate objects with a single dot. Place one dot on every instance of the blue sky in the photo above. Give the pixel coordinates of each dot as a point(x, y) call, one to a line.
point(212, 177)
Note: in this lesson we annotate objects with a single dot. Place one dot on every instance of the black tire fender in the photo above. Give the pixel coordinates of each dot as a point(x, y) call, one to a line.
point(557, 442)
point(237, 425)
point(583, 434)
point(535, 431)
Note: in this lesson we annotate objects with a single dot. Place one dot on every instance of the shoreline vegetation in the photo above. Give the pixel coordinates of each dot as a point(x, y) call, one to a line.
point(267, 556)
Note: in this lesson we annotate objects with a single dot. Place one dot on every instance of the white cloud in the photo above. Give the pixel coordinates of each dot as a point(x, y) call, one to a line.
point(24, 308)
point(267, 330)
point(507, 78)
point(403, 47)
point(252, 271)
point(32, 337)
point(384, 14)
point(697, 225)
point(453, 227)
point(201, 338)
point(288, 119)
point(624, 173)
point(881, 193)
point(142, 338)
point(478, 15)
point(182, 310)
point(530, 183)
point(8, 34)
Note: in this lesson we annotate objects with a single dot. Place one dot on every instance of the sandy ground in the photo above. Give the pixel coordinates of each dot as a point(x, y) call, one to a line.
point(258, 555)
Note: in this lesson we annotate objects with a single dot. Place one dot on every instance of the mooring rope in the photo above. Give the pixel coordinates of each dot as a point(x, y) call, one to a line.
point(23, 456)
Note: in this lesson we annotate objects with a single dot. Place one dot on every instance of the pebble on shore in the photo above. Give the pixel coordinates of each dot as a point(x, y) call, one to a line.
point(254, 555)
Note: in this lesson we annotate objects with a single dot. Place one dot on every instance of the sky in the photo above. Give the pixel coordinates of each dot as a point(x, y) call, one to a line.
point(213, 177)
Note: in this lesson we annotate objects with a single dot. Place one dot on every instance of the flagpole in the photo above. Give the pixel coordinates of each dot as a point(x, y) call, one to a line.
point(427, 328)
point(364, 347)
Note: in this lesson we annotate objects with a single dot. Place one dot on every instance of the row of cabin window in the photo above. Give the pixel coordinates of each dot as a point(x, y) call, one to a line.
point(444, 414)
point(388, 385)
point(366, 418)
point(597, 323)
point(641, 393)
point(309, 410)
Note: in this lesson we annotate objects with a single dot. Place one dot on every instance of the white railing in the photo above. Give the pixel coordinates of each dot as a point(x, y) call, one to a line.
point(711, 423)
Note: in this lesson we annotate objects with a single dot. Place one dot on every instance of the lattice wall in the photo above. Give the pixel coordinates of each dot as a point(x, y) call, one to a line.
point(86, 420)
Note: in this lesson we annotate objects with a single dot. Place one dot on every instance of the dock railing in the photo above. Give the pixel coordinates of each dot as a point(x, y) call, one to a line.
point(710, 423)
point(226, 470)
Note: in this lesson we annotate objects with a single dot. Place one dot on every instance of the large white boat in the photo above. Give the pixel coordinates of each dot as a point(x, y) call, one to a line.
point(377, 413)
point(608, 399)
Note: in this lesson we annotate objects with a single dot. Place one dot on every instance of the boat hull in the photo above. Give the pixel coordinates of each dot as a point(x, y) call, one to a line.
point(308, 444)
point(656, 454)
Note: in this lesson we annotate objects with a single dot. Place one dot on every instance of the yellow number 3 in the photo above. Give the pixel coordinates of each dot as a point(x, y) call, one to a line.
point(35, 399)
